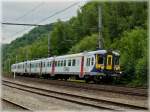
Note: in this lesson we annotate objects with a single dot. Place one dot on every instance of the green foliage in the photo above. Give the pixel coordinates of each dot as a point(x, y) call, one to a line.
point(30, 41)
point(88, 43)
point(133, 48)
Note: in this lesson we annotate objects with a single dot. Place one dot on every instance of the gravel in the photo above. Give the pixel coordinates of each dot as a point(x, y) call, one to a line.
point(40, 103)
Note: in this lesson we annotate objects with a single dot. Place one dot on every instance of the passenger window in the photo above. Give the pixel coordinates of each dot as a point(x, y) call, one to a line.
point(55, 63)
point(87, 61)
point(69, 62)
point(50, 64)
point(73, 62)
point(64, 62)
point(58, 63)
point(92, 61)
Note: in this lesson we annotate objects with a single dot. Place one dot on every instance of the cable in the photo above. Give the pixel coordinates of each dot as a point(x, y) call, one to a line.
point(58, 12)
point(52, 15)
point(22, 24)
point(29, 12)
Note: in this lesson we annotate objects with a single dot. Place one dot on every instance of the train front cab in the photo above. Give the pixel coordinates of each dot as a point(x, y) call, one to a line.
point(108, 64)
point(112, 67)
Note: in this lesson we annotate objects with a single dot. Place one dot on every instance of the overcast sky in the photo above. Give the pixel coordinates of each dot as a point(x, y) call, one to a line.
point(33, 12)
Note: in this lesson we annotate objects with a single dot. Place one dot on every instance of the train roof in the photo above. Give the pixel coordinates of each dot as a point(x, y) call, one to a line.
point(71, 55)
point(86, 53)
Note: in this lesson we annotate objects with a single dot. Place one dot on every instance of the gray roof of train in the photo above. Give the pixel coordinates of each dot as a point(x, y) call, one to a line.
point(71, 55)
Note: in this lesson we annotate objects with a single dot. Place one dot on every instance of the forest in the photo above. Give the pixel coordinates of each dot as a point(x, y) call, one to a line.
point(124, 29)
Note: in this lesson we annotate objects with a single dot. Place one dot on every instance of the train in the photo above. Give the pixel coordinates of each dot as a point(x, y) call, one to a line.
point(89, 66)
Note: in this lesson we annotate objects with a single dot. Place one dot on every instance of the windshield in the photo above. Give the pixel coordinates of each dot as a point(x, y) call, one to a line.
point(100, 59)
point(116, 60)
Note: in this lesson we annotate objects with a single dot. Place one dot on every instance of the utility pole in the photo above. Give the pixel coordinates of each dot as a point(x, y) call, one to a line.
point(48, 45)
point(100, 38)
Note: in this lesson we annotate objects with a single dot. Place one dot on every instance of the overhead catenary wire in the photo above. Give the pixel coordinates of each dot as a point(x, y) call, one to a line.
point(30, 11)
point(27, 24)
point(56, 13)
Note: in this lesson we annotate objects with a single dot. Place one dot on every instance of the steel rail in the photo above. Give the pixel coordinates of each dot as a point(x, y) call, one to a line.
point(105, 88)
point(110, 104)
point(18, 105)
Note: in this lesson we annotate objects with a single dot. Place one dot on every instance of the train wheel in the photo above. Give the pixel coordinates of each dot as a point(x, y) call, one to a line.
point(96, 79)
point(87, 78)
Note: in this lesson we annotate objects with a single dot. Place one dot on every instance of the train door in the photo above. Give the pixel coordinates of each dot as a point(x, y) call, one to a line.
point(30, 68)
point(53, 68)
point(100, 61)
point(82, 67)
point(26, 67)
point(40, 68)
point(109, 64)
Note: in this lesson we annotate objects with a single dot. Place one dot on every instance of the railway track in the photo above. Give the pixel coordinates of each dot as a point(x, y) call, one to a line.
point(82, 100)
point(15, 104)
point(106, 88)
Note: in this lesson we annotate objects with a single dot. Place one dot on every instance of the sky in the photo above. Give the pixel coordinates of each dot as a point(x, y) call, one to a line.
point(33, 12)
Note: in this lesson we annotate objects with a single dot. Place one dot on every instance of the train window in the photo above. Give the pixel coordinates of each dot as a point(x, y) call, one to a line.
point(92, 61)
point(100, 60)
point(69, 62)
point(31, 65)
point(64, 62)
point(116, 60)
point(58, 63)
point(73, 62)
point(88, 62)
point(50, 64)
point(109, 61)
point(55, 63)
